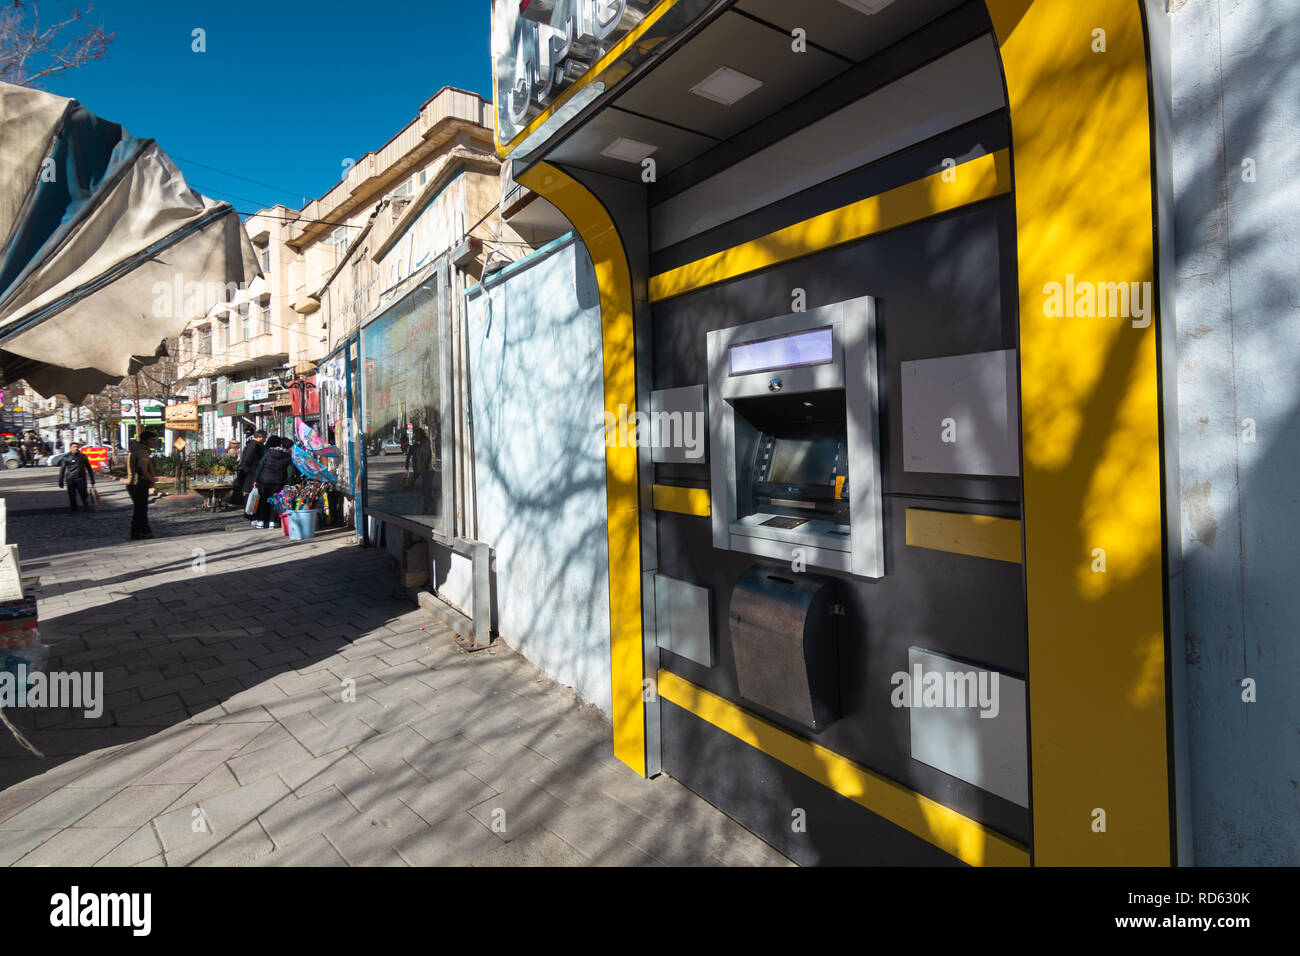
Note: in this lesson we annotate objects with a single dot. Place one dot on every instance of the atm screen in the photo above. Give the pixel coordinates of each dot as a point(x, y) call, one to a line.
point(788, 351)
point(804, 461)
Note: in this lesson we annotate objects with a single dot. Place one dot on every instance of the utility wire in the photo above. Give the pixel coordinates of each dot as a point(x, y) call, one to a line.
point(223, 172)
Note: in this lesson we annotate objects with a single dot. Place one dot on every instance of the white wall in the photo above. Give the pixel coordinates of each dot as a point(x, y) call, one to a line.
point(537, 404)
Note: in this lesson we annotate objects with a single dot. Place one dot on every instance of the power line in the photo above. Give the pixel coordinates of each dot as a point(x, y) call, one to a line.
point(223, 172)
point(222, 192)
point(323, 222)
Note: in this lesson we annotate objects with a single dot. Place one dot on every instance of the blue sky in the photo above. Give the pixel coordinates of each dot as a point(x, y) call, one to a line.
point(286, 90)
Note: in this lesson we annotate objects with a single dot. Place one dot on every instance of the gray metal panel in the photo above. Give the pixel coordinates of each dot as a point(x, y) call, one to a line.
point(991, 752)
point(678, 429)
point(961, 414)
point(684, 619)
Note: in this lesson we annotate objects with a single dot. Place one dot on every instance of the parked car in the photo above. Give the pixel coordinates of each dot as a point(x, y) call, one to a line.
point(57, 460)
point(390, 446)
point(13, 458)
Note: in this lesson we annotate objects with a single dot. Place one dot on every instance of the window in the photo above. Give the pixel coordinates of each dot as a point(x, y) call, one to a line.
point(266, 259)
point(245, 323)
point(402, 361)
point(339, 240)
point(205, 342)
point(264, 327)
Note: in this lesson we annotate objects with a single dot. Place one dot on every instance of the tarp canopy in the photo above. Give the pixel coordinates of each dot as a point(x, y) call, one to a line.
point(95, 225)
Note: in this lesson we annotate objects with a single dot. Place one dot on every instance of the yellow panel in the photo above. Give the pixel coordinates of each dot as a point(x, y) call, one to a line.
point(971, 181)
point(597, 70)
point(1090, 415)
point(981, 536)
point(605, 247)
point(950, 831)
point(686, 501)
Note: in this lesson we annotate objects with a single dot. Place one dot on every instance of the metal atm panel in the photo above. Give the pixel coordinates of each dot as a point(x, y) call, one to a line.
point(760, 375)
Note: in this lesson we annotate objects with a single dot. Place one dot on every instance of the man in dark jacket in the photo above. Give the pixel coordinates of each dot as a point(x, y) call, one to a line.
point(76, 471)
point(139, 480)
point(249, 459)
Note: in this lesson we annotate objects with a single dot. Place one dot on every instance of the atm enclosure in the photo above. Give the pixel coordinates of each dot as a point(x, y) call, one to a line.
point(794, 439)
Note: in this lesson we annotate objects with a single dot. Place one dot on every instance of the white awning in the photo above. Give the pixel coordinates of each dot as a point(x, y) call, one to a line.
point(107, 251)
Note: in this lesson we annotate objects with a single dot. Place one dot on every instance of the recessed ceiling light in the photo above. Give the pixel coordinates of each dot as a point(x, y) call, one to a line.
point(726, 86)
point(628, 150)
point(867, 6)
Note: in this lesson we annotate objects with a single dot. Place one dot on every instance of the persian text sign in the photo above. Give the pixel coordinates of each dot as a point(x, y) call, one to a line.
point(98, 455)
point(183, 416)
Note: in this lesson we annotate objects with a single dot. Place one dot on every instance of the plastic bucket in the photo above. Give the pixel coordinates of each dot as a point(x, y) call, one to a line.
point(302, 524)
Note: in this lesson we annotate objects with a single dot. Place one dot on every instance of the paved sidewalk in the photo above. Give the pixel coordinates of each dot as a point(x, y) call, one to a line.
point(230, 735)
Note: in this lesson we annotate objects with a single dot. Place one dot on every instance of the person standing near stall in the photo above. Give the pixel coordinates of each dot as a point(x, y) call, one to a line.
point(139, 482)
point(249, 459)
point(273, 472)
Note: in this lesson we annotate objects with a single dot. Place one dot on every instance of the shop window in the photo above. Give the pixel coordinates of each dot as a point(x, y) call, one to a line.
point(403, 357)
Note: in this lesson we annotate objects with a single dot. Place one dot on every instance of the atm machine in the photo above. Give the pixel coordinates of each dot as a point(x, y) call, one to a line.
point(795, 482)
point(794, 438)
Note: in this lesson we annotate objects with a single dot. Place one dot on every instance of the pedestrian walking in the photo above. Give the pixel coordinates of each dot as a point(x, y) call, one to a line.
point(273, 472)
point(249, 459)
point(139, 482)
point(75, 472)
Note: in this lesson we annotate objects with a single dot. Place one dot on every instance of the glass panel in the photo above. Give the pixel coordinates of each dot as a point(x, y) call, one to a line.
point(402, 422)
point(789, 351)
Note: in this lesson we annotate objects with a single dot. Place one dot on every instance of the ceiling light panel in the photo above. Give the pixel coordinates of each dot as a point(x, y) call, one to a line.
point(628, 150)
point(725, 85)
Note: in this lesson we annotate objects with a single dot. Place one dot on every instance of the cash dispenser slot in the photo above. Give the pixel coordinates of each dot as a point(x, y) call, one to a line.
point(783, 640)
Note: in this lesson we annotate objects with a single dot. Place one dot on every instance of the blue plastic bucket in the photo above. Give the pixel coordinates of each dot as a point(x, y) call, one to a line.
point(302, 524)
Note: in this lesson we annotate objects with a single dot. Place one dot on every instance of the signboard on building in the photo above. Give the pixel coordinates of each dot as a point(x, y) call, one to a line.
point(543, 48)
point(258, 390)
point(149, 408)
point(235, 392)
point(98, 455)
point(183, 416)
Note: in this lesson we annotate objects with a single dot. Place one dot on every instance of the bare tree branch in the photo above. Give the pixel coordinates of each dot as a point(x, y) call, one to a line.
point(30, 52)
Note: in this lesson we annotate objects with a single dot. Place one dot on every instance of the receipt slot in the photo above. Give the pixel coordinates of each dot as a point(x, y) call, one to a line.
point(794, 439)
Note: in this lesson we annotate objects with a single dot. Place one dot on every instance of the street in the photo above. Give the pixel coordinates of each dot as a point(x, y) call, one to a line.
point(275, 703)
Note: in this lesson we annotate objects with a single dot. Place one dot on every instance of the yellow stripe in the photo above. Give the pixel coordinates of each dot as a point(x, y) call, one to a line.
point(980, 536)
point(972, 181)
point(1090, 416)
point(613, 278)
point(950, 831)
point(616, 51)
point(686, 501)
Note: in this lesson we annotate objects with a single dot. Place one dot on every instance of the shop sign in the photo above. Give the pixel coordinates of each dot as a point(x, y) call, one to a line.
point(183, 417)
point(149, 408)
point(549, 44)
point(259, 390)
point(98, 455)
point(235, 392)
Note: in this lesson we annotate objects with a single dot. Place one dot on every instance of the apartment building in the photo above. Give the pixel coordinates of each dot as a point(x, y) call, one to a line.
point(251, 361)
point(237, 361)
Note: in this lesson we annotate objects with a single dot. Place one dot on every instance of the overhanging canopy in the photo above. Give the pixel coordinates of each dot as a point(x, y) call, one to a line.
point(95, 224)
